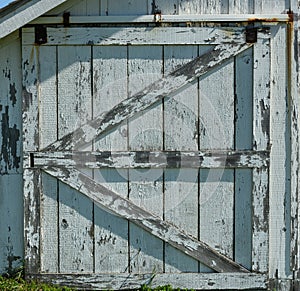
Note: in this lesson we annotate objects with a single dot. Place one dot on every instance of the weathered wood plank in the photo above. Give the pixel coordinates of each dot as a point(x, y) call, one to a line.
point(110, 88)
point(10, 107)
point(149, 96)
point(214, 7)
point(76, 232)
point(48, 134)
point(74, 108)
point(216, 107)
point(49, 224)
point(261, 141)
point(241, 7)
point(167, 7)
point(150, 222)
point(280, 166)
point(228, 281)
point(243, 140)
point(181, 133)
point(145, 132)
point(135, 35)
point(11, 223)
point(271, 6)
point(121, 7)
point(31, 177)
point(31, 191)
point(149, 159)
point(293, 80)
point(183, 18)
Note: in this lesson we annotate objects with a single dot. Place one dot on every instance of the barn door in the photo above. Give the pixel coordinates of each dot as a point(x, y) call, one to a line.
point(146, 156)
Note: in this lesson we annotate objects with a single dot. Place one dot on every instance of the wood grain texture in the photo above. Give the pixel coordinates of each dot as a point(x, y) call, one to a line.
point(280, 159)
point(293, 32)
point(11, 223)
point(228, 281)
point(110, 88)
point(269, 6)
point(261, 140)
point(181, 133)
point(149, 159)
point(49, 246)
point(216, 186)
point(121, 7)
point(243, 140)
point(135, 36)
point(144, 219)
point(75, 211)
point(149, 96)
point(31, 177)
point(145, 132)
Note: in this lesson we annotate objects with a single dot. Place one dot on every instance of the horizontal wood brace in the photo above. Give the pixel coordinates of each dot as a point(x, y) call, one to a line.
point(148, 221)
point(164, 18)
point(149, 159)
point(196, 281)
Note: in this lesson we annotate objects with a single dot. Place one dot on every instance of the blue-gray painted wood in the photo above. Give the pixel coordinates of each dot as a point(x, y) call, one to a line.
point(243, 140)
point(11, 198)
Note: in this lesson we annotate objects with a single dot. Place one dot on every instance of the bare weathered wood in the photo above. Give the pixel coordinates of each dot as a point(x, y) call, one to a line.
point(149, 96)
point(150, 159)
point(31, 177)
point(135, 35)
point(228, 281)
point(261, 141)
point(152, 223)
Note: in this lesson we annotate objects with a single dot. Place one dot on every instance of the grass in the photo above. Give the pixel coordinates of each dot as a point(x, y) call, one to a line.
point(16, 282)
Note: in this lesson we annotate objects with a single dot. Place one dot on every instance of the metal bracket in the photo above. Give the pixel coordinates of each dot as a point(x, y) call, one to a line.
point(40, 35)
point(251, 34)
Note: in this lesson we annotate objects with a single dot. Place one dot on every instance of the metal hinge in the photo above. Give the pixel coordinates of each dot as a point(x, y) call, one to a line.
point(40, 35)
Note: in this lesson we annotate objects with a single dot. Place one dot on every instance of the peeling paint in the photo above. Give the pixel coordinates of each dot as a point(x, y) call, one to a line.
point(10, 143)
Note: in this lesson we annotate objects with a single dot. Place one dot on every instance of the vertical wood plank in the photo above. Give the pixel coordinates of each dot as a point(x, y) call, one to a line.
point(110, 88)
point(48, 134)
point(30, 59)
point(10, 108)
point(215, 6)
point(261, 140)
point(181, 133)
point(293, 47)
point(124, 7)
point(145, 133)
point(75, 231)
point(243, 141)
point(280, 161)
point(189, 7)
point(170, 7)
point(74, 109)
point(11, 223)
point(61, 9)
point(241, 7)
point(271, 6)
point(217, 186)
point(49, 225)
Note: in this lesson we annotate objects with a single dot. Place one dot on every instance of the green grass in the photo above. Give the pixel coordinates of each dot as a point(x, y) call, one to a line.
point(15, 281)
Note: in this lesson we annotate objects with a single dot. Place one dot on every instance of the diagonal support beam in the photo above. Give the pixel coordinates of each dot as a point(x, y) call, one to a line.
point(150, 95)
point(148, 221)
